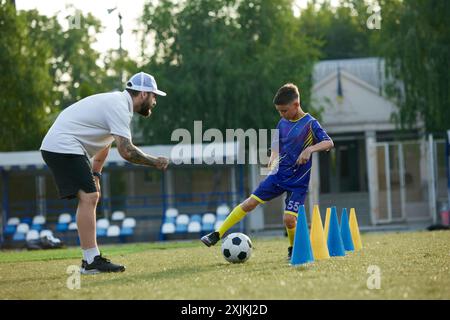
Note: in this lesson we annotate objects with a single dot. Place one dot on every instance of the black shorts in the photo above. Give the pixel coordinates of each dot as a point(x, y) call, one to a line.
point(72, 173)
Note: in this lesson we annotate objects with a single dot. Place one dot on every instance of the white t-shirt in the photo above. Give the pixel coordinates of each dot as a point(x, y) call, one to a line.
point(86, 127)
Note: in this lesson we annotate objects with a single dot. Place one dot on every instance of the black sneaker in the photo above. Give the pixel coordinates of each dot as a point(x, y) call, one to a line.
point(289, 256)
point(211, 238)
point(100, 264)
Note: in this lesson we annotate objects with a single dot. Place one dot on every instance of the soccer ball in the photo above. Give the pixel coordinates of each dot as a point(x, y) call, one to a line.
point(236, 248)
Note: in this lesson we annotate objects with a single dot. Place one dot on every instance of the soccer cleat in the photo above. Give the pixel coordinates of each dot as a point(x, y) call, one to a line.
point(211, 238)
point(100, 264)
point(289, 256)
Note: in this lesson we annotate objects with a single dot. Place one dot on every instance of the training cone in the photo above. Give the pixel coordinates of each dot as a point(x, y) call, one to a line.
point(301, 253)
point(327, 223)
point(345, 232)
point(335, 244)
point(318, 242)
point(354, 229)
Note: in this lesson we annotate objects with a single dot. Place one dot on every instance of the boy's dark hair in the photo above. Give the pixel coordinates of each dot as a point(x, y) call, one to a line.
point(286, 94)
point(132, 92)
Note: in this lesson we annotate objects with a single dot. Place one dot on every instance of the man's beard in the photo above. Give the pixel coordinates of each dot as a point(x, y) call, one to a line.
point(144, 110)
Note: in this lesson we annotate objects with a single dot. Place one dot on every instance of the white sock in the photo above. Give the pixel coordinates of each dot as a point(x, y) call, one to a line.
point(90, 254)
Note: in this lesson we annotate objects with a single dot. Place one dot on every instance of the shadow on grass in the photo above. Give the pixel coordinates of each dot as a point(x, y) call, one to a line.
point(168, 274)
point(12, 256)
point(184, 272)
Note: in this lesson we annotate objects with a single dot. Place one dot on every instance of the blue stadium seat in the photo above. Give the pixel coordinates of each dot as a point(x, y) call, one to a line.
point(26, 220)
point(10, 230)
point(170, 219)
point(19, 236)
point(62, 227)
point(101, 232)
point(37, 227)
point(196, 218)
point(126, 232)
point(207, 227)
point(180, 228)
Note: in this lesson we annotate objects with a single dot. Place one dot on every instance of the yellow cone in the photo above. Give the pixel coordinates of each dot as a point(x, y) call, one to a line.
point(327, 223)
point(354, 229)
point(318, 242)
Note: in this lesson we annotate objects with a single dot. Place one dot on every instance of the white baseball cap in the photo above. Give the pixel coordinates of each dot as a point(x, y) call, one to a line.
point(144, 82)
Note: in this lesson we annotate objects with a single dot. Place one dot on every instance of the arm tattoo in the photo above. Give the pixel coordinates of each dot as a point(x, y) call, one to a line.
point(133, 154)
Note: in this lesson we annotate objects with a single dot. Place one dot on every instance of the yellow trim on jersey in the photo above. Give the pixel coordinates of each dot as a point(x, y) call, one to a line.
point(299, 118)
point(257, 198)
point(309, 139)
point(291, 213)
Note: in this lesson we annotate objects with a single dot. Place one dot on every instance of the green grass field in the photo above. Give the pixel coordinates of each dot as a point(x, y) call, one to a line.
point(414, 265)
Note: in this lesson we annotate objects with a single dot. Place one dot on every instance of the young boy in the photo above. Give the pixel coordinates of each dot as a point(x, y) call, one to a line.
point(299, 136)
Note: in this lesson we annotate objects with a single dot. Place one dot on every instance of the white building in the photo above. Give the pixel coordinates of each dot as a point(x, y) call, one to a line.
point(387, 176)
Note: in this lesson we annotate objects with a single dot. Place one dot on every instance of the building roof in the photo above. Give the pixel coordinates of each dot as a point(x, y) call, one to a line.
point(178, 154)
point(370, 70)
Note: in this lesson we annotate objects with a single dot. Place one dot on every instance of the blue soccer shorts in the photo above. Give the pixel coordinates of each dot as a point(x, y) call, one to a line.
point(270, 189)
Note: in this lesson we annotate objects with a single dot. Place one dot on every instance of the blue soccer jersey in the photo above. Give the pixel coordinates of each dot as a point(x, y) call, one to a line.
point(294, 137)
point(290, 177)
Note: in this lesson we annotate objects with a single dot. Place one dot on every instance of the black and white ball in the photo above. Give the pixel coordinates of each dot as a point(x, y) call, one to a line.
point(237, 248)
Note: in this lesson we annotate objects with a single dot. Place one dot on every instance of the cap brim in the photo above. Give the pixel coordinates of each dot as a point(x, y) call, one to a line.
point(159, 92)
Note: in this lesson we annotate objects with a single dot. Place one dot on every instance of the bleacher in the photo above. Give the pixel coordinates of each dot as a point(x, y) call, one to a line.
point(118, 229)
point(19, 231)
point(176, 226)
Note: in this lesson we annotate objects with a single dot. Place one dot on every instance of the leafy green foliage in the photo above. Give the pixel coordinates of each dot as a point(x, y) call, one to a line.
point(25, 83)
point(45, 66)
point(341, 31)
point(222, 61)
point(415, 40)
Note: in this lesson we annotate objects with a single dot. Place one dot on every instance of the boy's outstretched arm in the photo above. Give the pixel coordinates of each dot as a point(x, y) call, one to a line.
point(273, 159)
point(321, 146)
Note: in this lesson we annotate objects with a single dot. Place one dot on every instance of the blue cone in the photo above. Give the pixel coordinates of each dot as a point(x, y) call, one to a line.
point(301, 253)
point(345, 232)
point(335, 244)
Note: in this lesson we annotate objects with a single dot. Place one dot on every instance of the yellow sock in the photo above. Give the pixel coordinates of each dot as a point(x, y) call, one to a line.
point(234, 217)
point(291, 235)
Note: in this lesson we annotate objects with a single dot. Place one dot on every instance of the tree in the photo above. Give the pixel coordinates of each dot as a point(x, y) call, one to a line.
point(341, 31)
point(44, 68)
point(415, 40)
point(221, 61)
point(74, 63)
point(25, 84)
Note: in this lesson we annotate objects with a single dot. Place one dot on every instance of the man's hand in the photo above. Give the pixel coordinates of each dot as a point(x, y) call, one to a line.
point(304, 156)
point(162, 163)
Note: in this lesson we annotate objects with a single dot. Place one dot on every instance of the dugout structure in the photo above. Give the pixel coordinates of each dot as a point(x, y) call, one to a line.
point(145, 194)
